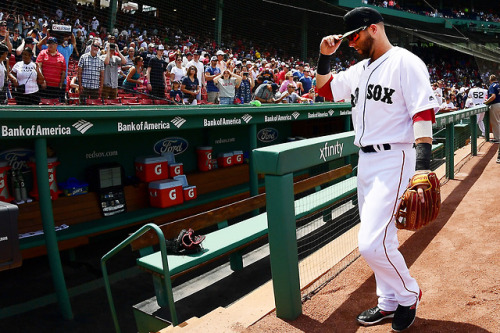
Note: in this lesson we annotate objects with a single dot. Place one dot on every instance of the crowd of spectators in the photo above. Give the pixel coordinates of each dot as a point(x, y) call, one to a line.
point(139, 63)
point(487, 15)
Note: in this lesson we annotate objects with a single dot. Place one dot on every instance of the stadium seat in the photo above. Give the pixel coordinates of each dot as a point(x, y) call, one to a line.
point(146, 101)
point(97, 101)
point(11, 101)
point(49, 101)
point(162, 102)
point(115, 101)
point(130, 101)
point(126, 95)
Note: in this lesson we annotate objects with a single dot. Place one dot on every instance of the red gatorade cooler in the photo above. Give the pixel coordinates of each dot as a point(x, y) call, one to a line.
point(165, 193)
point(151, 168)
point(4, 189)
point(237, 157)
point(225, 160)
point(190, 193)
point(54, 190)
point(204, 158)
point(175, 169)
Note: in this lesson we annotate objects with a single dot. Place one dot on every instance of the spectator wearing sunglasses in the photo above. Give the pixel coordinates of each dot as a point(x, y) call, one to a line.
point(90, 74)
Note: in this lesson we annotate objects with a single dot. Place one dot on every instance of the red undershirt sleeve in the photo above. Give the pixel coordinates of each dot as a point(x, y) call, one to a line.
point(326, 90)
point(426, 115)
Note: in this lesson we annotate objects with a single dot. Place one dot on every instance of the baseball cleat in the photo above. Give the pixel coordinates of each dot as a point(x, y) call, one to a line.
point(404, 316)
point(373, 316)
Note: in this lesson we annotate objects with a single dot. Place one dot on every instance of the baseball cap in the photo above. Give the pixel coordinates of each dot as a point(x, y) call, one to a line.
point(3, 23)
point(198, 52)
point(151, 45)
point(274, 87)
point(161, 47)
point(360, 17)
point(51, 40)
point(220, 52)
point(28, 40)
point(214, 58)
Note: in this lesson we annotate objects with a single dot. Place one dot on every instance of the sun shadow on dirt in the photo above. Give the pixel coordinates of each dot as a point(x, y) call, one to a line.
point(307, 324)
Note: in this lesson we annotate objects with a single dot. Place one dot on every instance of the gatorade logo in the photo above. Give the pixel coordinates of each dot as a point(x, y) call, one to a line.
point(177, 170)
point(172, 195)
point(229, 160)
point(239, 158)
point(153, 194)
point(158, 169)
point(191, 193)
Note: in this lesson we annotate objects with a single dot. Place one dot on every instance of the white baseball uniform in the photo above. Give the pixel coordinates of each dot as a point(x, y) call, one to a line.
point(478, 95)
point(385, 94)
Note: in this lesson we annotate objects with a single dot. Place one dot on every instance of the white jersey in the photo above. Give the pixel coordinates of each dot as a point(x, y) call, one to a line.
point(439, 94)
point(385, 95)
point(478, 95)
point(469, 103)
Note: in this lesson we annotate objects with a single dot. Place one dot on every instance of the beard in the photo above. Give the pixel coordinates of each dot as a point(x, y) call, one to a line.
point(365, 48)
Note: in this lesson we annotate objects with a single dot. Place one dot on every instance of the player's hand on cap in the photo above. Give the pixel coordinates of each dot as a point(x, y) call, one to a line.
point(330, 44)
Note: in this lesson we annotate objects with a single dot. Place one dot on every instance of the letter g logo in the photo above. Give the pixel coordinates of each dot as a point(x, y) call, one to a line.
point(172, 195)
point(158, 169)
point(191, 193)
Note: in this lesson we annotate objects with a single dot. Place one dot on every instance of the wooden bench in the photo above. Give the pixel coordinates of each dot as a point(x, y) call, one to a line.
point(233, 239)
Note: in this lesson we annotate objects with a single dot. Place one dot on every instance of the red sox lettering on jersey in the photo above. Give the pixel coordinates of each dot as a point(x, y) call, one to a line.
point(384, 97)
point(375, 92)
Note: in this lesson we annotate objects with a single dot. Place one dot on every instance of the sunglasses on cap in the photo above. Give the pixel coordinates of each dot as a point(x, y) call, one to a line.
point(353, 35)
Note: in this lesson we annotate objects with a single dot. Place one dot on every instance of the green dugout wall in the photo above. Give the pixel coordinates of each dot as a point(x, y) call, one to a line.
point(83, 136)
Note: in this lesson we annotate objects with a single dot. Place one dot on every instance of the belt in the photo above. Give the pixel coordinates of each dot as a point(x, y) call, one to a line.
point(376, 148)
point(386, 146)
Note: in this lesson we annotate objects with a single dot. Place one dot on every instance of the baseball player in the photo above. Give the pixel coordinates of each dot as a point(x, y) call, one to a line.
point(393, 111)
point(478, 95)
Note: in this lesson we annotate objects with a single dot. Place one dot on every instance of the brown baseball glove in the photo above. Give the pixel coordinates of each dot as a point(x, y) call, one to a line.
point(412, 214)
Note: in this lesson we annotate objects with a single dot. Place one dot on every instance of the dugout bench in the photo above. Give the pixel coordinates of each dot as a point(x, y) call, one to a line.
point(230, 239)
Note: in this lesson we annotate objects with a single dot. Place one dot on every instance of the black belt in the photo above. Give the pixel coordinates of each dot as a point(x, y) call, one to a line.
point(376, 148)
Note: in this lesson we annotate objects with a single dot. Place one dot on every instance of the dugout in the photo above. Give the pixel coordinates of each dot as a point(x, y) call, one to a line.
point(71, 139)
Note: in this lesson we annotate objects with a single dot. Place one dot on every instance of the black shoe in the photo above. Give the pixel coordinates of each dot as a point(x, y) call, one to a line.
point(373, 316)
point(404, 316)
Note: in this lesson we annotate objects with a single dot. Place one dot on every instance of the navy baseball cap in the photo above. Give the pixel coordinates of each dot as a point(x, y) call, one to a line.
point(274, 87)
point(51, 40)
point(359, 18)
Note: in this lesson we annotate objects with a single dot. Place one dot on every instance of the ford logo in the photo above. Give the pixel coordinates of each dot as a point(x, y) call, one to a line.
point(17, 158)
point(174, 145)
point(267, 134)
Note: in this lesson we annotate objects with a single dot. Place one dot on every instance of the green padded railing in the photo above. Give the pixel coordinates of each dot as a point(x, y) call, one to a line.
point(166, 275)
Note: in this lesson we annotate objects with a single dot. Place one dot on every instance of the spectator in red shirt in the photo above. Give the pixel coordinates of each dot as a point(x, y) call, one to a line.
point(53, 67)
